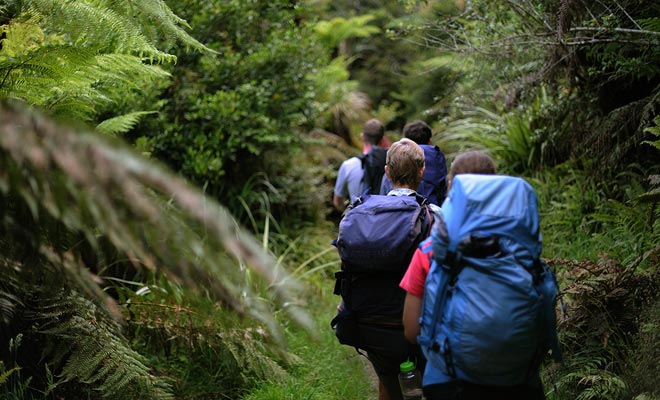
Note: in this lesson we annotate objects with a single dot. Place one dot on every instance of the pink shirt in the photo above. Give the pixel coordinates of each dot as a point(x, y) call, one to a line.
point(413, 280)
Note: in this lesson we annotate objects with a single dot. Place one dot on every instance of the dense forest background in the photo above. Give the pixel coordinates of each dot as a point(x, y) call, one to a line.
point(166, 174)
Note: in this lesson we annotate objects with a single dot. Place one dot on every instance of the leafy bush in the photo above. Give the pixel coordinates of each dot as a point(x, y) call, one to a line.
point(226, 111)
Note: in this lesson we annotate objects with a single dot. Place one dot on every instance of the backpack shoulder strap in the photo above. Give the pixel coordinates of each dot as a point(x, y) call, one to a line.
point(424, 203)
point(373, 164)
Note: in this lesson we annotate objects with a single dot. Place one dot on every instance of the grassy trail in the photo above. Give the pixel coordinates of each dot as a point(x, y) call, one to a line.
point(324, 369)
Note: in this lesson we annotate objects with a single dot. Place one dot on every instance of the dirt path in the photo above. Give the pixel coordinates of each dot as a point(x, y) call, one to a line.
point(373, 378)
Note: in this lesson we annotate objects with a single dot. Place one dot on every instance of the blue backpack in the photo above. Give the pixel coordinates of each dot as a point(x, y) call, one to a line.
point(488, 312)
point(377, 238)
point(381, 233)
point(434, 181)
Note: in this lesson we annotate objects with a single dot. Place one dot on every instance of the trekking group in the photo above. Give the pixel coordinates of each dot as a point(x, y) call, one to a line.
point(442, 269)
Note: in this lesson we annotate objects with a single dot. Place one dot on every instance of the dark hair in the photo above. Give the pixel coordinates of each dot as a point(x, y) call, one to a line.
point(373, 131)
point(418, 131)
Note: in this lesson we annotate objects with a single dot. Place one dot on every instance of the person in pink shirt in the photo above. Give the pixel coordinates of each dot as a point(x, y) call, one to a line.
point(471, 162)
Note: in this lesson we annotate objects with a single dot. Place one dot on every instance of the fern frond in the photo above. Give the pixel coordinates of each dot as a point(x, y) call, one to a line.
point(167, 23)
point(94, 186)
point(655, 130)
point(338, 29)
point(125, 69)
point(650, 24)
point(95, 351)
point(122, 123)
point(9, 301)
point(103, 28)
point(4, 375)
point(71, 57)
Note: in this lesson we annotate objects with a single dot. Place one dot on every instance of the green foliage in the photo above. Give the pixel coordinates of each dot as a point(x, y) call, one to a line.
point(566, 198)
point(338, 29)
point(655, 130)
point(79, 59)
point(595, 64)
point(92, 350)
point(12, 384)
point(237, 105)
point(203, 350)
point(122, 123)
point(587, 380)
point(643, 368)
point(602, 300)
point(605, 291)
point(323, 369)
point(509, 137)
point(388, 68)
point(422, 87)
point(79, 192)
point(593, 329)
point(338, 102)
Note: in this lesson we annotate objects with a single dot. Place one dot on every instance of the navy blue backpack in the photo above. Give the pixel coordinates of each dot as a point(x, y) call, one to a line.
point(488, 312)
point(377, 238)
point(381, 233)
point(434, 182)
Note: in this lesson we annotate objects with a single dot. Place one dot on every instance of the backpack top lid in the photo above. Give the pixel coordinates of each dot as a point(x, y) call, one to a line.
point(492, 205)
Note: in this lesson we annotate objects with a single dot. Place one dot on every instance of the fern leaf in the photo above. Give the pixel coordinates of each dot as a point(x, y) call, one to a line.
point(122, 123)
point(69, 57)
point(104, 29)
point(655, 130)
point(650, 24)
point(6, 374)
point(95, 351)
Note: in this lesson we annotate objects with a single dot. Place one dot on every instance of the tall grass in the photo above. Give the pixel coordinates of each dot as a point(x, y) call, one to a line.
point(323, 369)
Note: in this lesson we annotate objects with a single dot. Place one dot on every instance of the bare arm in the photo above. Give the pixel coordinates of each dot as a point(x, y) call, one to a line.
point(338, 201)
point(412, 309)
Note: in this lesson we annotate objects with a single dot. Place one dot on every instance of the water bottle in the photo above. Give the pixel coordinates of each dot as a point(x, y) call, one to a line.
point(410, 381)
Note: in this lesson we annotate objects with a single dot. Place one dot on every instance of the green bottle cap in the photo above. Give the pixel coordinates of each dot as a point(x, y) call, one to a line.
point(407, 366)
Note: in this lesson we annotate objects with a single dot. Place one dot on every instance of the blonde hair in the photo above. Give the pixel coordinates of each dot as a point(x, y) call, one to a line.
point(404, 160)
point(471, 162)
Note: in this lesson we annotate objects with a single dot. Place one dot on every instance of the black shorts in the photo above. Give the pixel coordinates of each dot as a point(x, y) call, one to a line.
point(387, 348)
point(459, 390)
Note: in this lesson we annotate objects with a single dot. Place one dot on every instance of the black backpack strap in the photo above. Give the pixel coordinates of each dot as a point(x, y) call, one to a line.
point(421, 199)
point(373, 164)
point(424, 202)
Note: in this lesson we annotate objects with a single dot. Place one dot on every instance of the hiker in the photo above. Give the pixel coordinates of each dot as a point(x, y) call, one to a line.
point(434, 182)
point(471, 162)
point(369, 316)
point(440, 381)
point(351, 181)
